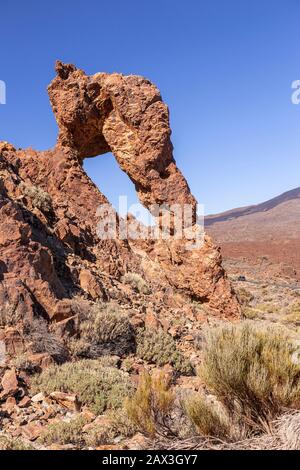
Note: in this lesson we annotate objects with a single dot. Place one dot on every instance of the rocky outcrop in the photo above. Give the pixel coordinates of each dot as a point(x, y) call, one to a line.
point(49, 247)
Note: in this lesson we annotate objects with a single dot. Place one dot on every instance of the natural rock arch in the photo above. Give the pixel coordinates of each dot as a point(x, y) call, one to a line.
point(124, 115)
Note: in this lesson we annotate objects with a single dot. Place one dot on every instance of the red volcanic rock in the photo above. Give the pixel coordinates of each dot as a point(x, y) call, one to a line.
point(50, 251)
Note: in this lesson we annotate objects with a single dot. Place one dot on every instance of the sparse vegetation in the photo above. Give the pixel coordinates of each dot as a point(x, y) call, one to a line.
point(98, 387)
point(250, 369)
point(267, 307)
point(159, 347)
point(39, 198)
point(137, 283)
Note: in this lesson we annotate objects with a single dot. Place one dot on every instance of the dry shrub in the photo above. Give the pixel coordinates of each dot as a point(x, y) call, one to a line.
point(42, 341)
point(39, 198)
point(250, 369)
point(10, 314)
point(293, 314)
point(137, 283)
point(98, 387)
point(244, 296)
point(151, 407)
point(159, 347)
point(103, 330)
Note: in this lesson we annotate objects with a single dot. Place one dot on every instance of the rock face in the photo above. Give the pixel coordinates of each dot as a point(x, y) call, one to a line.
point(49, 247)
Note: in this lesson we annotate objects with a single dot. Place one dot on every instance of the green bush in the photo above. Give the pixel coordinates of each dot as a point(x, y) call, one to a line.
point(250, 368)
point(39, 198)
point(137, 283)
point(9, 443)
point(65, 432)
point(98, 387)
point(159, 347)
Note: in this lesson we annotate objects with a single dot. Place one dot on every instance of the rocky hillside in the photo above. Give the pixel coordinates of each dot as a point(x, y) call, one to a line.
point(80, 310)
point(269, 230)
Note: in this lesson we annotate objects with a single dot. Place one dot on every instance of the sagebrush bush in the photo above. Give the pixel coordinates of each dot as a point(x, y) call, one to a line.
point(159, 347)
point(9, 443)
point(104, 330)
point(65, 432)
point(118, 425)
point(39, 198)
point(137, 283)
point(98, 387)
point(151, 406)
point(252, 370)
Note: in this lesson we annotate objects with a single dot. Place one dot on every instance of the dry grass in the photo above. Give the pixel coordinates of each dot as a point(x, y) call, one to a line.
point(293, 314)
point(206, 417)
point(151, 406)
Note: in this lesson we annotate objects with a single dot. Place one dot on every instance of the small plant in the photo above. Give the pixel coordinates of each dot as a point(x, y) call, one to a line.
point(104, 330)
point(39, 198)
point(65, 432)
point(207, 419)
point(118, 425)
point(137, 283)
point(251, 371)
point(244, 296)
point(98, 387)
point(8, 443)
point(151, 406)
point(159, 347)
point(251, 313)
point(42, 341)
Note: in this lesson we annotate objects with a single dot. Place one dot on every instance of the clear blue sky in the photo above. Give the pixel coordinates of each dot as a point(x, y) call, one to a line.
point(224, 67)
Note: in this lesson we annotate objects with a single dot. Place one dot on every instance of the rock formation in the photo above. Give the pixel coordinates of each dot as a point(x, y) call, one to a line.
point(49, 247)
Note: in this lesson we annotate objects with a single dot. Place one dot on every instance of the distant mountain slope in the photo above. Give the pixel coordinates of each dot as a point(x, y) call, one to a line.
point(270, 229)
